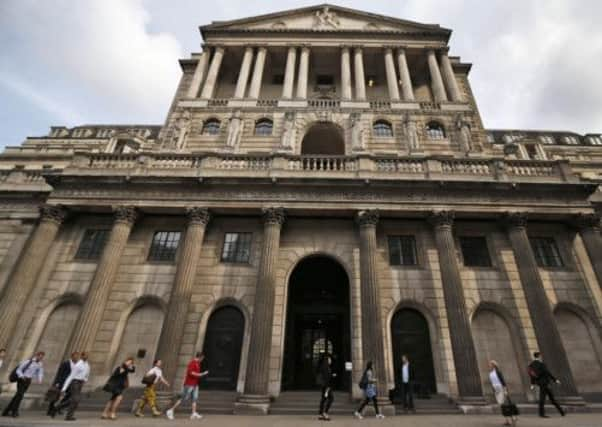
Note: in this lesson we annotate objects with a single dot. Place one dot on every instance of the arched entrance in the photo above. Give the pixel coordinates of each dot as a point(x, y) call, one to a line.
point(317, 321)
point(410, 335)
point(222, 348)
point(323, 139)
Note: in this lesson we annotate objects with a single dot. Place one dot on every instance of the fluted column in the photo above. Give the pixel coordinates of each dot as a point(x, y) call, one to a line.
point(216, 62)
point(391, 75)
point(303, 73)
point(360, 79)
point(589, 229)
point(23, 279)
point(542, 317)
point(436, 80)
point(465, 359)
point(345, 74)
point(199, 75)
point(289, 73)
point(243, 75)
point(256, 382)
point(91, 314)
point(404, 76)
point(175, 319)
point(450, 78)
point(257, 73)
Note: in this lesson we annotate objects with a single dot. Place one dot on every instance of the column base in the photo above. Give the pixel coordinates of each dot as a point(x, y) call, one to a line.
point(252, 404)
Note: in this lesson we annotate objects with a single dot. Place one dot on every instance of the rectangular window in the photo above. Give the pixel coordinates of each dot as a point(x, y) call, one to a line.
point(572, 140)
point(237, 247)
point(531, 151)
point(164, 246)
point(92, 244)
point(546, 252)
point(402, 250)
point(475, 251)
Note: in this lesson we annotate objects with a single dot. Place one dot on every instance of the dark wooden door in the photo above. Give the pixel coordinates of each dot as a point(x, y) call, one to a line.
point(222, 348)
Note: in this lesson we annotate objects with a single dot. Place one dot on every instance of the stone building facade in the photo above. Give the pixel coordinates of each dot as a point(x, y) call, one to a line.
point(323, 182)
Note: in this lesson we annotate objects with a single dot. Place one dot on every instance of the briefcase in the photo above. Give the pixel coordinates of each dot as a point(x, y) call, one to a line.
point(509, 409)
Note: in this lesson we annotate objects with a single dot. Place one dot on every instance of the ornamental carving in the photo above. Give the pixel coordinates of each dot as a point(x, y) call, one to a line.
point(198, 216)
point(441, 218)
point(515, 219)
point(125, 214)
point(53, 213)
point(325, 18)
point(367, 218)
point(273, 216)
point(585, 221)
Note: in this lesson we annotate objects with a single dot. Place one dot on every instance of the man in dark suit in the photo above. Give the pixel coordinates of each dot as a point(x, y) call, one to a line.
point(59, 379)
point(542, 377)
point(407, 384)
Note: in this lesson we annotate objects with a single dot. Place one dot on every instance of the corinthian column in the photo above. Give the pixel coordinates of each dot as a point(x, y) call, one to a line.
point(199, 75)
point(289, 73)
point(589, 229)
point(26, 271)
point(303, 73)
point(360, 79)
point(175, 319)
point(436, 80)
point(211, 79)
point(450, 78)
point(542, 317)
point(465, 359)
point(404, 76)
point(345, 74)
point(243, 75)
point(255, 398)
point(91, 314)
point(391, 75)
point(257, 73)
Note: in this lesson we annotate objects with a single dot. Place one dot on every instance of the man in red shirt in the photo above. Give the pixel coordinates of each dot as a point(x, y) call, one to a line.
point(191, 387)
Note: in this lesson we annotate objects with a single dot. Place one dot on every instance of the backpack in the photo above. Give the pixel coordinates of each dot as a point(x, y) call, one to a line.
point(364, 381)
point(13, 377)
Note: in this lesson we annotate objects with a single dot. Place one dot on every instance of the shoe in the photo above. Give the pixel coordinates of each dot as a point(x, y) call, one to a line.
point(156, 414)
point(358, 415)
point(195, 416)
point(380, 416)
point(138, 414)
point(69, 418)
point(544, 416)
point(169, 414)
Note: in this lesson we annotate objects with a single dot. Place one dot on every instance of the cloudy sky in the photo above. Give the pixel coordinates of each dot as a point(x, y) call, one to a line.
point(537, 63)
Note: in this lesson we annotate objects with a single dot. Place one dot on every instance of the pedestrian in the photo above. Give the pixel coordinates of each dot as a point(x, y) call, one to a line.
point(25, 372)
point(117, 383)
point(2, 356)
point(325, 377)
point(80, 373)
point(542, 377)
point(500, 390)
point(407, 384)
point(368, 385)
point(54, 393)
point(190, 390)
point(152, 377)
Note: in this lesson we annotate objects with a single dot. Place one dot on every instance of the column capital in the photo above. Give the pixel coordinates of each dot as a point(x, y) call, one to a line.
point(198, 215)
point(125, 214)
point(305, 47)
point(515, 219)
point(401, 49)
point(441, 218)
point(346, 47)
point(388, 49)
point(273, 216)
point(357, 48)
point(53, 213)
point(584, 221)
point(367, 218)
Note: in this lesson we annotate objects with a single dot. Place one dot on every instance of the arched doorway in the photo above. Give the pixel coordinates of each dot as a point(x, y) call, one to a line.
point(317, 321)
point(323, 139)
point(222, 347)
point(410, 335)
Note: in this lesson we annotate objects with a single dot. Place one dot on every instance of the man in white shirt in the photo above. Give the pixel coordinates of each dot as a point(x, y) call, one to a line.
point(28, 369)
point(80, 372)
point(151, 378)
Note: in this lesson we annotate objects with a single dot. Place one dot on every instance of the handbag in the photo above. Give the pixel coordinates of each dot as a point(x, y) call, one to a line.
point(13, 377)
point(509, 409)
point(52, 394)
point(149, 379)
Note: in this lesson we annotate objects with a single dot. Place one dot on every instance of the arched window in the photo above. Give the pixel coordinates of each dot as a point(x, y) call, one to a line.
point(263, 127)
point(382, 128)
point(211, 127)
point(434, 130)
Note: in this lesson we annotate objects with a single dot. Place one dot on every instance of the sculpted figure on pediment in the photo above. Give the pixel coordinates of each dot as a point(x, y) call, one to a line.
point(234, 130)
point(326, 18)
point(181, 129)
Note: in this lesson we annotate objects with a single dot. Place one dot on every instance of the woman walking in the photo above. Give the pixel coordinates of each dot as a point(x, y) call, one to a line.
point(368, 385)
point(116, 384)
point(152, 377)
point(501, 393)
point(325, 376)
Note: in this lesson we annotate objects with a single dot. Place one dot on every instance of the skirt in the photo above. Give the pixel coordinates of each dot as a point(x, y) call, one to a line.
point(500, 395)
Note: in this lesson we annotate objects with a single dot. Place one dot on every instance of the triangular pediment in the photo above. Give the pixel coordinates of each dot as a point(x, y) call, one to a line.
point(324, 18)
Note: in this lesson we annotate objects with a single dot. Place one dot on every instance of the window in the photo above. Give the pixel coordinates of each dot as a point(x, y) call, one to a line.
point(211, 127)
point(595, 140)
point(264, 127)
point(382, 128)
point(512, 137)
point(237, 247)
point(546, 252)
point(571, 140)
point(278, 79)
point(435, 130)
point(324, 80)
point(92, 244)
point(124, 146)
point(475, 251)
point(490, 138)
point(402, 250)
point(531, 151)
point(164, 246)
point(547, 139)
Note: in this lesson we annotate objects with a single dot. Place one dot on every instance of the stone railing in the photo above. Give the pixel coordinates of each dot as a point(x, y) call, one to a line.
point(532, 168)
point(466, 167)
point(324, 103)
point(217, 102)
point(380, 104)
point(427, 105)
point(322, 163)
point(267, 102)
point(400, 165)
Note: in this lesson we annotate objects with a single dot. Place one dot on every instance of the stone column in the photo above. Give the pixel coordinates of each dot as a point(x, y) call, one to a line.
point(91, 314)
point(289, 73)
point(465, 358)
point(243, 75)
point(392, 82)
point(589, 229)
point(257, 73)
point(303, 73)
point(404, 76)
point(177, 312)
point(256, 398)
point(345, 74)
point(199, 75)
point(436, 80)
point(23, 278)
point(211, 79)
point(542, 317)
point(360, 79)
point(450, 78)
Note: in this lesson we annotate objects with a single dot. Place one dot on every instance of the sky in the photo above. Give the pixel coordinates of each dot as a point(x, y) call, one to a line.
point(537, 64)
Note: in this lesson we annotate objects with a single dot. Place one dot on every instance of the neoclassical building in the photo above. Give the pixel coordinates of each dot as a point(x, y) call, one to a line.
point(323, 182)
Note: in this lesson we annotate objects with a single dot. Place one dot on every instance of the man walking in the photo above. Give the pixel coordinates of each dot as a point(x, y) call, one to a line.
point(407, 384)
point(80, 373)
point(191, 387)
point(542, 377)
point(59, 379)
point(28, 369)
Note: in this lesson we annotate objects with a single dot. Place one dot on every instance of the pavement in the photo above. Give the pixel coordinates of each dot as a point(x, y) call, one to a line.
point(90, 419)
